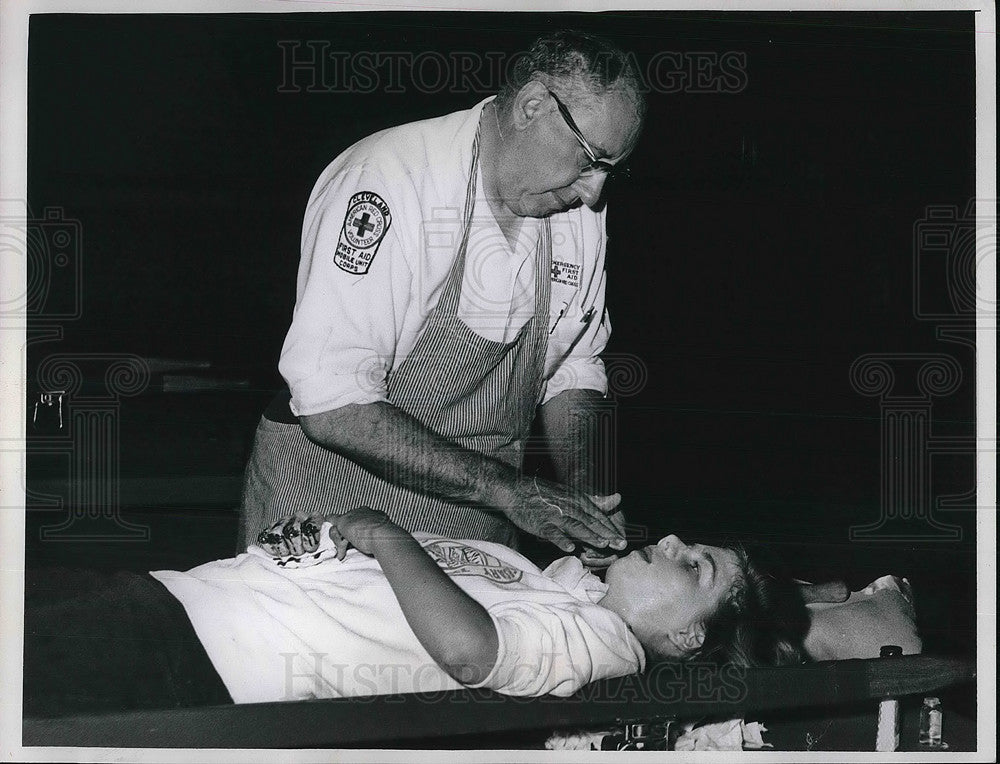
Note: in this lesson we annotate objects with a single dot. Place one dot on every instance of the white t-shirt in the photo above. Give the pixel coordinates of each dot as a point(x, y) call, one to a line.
point(381, 232)
point(321, 628)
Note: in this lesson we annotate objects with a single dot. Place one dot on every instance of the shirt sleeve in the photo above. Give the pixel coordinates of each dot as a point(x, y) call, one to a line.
point(352, 293)
point(580, 336)
point(557, 649)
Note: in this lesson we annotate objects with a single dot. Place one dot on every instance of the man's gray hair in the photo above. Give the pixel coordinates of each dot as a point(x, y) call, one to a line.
point(584, 64)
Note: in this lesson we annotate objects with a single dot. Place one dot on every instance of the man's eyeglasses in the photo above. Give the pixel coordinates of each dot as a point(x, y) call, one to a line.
point(595, 166)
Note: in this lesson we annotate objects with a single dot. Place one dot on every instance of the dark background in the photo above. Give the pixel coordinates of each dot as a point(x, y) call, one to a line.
point(764, 243)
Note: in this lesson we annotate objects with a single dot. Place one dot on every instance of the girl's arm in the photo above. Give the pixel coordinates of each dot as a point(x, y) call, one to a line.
point(455, 629)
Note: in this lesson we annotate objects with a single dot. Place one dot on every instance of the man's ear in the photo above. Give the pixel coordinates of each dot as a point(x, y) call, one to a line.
point(528, 104)
point(688, 640)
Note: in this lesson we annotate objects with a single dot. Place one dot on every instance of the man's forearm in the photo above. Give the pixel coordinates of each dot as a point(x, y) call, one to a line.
point(398, 448)
point(576, 428)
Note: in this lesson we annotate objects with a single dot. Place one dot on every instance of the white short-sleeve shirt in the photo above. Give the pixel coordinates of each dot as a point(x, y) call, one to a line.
point(381, 232)
point(321, 628)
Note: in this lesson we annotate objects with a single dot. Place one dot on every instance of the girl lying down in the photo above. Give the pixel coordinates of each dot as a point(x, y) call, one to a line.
point(303, 616)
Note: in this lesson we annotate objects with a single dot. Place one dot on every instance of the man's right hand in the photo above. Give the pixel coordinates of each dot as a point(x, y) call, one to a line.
point(594, 559)
point(559, 514)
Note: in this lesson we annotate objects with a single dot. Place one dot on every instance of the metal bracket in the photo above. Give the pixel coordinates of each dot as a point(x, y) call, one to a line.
point(48, 400)
point(658, 733)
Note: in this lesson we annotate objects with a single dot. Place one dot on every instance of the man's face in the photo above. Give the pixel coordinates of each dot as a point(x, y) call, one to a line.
point(544, 175)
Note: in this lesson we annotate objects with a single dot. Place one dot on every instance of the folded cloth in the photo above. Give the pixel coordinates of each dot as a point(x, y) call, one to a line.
point(727, 735)
point(582, 740)
point(880, 614)
point(325, 550)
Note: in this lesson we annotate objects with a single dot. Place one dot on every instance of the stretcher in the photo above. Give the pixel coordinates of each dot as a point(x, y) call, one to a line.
point(664, 693)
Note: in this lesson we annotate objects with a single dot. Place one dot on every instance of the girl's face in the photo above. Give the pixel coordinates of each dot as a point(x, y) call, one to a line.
point(665, 592)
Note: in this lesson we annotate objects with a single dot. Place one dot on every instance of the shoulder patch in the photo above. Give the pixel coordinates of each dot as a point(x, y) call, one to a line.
point(365, 225)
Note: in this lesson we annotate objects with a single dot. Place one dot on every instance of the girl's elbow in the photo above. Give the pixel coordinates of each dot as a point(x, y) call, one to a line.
point(471, 661)
point(471, 666)
point(467, 673)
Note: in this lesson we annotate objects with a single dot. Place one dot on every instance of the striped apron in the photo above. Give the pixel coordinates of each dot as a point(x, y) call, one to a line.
point(477, 393)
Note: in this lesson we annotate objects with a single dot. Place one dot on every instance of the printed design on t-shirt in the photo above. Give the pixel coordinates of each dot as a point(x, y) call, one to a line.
point(457, 559)
point(365, 225)
point(566, 273)
point(304, 561)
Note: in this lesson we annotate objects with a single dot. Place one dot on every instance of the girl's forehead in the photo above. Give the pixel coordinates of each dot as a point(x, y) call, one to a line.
point(725, 551)
point(731, 573)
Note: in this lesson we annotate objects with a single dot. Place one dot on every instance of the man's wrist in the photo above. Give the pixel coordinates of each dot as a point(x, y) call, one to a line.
point(503, 489)
point(572, 422)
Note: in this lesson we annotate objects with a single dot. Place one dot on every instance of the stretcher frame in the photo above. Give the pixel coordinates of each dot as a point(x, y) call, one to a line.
point(665, 691)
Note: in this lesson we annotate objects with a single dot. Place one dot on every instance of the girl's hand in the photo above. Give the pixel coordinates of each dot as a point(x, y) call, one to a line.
point(363, 528)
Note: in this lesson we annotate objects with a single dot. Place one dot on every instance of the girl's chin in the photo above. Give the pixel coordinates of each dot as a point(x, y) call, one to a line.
point(617, 563)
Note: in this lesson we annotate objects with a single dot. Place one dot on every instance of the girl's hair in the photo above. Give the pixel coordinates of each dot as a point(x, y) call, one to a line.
point(579, 59)
point(761, 622)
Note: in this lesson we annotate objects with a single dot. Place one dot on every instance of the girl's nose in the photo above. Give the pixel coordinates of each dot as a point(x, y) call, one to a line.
point(669, 542)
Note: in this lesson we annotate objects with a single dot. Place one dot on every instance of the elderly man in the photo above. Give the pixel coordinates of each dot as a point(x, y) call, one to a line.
point(451, 280)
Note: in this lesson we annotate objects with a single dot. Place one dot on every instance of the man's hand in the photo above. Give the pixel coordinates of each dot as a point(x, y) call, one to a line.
point(594, 558)
point(362, 528)
point(292, 536)
point(561, 515)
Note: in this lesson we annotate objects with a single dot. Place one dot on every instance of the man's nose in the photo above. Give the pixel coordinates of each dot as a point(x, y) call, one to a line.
point(589, 188)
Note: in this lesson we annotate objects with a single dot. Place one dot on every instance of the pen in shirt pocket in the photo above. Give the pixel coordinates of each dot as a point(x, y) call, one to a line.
point(586, 318)
point(562, 312)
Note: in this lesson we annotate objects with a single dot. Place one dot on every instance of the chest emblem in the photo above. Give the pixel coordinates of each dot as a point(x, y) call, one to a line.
point(460, 560)
point(566, 273)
